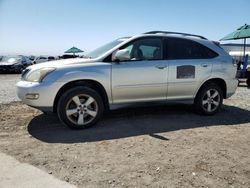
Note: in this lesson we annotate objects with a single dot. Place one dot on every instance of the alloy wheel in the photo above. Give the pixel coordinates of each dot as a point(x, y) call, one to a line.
point(211, 100)
point(81, 109)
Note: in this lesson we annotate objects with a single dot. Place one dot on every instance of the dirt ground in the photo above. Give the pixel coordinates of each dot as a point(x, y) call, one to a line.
point(7, 87)
point(159, 146)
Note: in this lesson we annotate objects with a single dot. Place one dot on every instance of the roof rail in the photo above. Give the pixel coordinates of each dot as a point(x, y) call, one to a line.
point(169, 32)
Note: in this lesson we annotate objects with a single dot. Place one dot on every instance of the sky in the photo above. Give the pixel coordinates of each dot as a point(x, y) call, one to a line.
point(50, 27)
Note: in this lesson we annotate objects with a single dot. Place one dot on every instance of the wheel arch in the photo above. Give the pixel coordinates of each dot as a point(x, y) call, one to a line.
point(93, 84)
point(219, 81)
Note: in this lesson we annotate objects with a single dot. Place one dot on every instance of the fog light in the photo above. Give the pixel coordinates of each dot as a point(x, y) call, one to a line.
point(32, 96)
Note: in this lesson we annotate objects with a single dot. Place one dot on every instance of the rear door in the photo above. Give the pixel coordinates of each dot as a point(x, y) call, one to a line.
point(190, 63)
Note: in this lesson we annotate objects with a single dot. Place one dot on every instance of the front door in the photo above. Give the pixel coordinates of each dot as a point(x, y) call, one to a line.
point(144, 76)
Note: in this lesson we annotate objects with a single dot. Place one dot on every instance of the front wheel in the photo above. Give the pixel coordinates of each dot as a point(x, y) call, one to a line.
point(209, 100)
point(80, 107)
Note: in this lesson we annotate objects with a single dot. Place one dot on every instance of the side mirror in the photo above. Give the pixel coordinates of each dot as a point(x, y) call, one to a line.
point(122, 55)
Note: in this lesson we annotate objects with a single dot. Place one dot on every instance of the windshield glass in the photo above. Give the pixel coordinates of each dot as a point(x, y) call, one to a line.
point(11, 59)
point(103, 49)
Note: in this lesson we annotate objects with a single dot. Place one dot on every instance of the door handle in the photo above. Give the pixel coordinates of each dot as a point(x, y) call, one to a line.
point(204, 65)
point(161, 66)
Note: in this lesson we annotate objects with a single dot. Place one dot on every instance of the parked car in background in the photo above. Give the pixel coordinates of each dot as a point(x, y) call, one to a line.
point(42, 59)
point(68, 56)
point(32, 58)
point(14, 63)
point(51, 58)
point(154, 66)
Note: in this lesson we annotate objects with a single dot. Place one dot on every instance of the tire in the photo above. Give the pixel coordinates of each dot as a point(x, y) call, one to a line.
point(203, 101)
point(80, 107)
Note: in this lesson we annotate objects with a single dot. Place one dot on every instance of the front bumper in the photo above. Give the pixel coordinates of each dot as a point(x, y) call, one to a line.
point(46, 92)
point(10, 68)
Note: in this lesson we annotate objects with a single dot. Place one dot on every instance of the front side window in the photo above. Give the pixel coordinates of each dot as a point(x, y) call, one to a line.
point(145, 49)
point(187, 49)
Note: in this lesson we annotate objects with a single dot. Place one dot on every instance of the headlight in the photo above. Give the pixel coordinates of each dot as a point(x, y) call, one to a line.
point(38, 75)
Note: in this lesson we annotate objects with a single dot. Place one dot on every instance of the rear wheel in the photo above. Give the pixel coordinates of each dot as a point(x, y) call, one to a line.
point(209, 100)
point(80, 107)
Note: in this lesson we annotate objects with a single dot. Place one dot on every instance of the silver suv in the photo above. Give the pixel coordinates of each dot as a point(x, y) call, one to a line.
point(154, 66)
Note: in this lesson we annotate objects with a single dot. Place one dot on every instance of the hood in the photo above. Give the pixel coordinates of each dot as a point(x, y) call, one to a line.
point(60, 63)
point(8, 62)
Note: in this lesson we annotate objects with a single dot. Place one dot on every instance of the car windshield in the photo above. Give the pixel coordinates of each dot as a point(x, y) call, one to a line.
point(11, 59)
point(103, 49)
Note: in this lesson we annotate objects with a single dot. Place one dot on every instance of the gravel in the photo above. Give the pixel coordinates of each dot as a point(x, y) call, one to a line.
point(7, 87)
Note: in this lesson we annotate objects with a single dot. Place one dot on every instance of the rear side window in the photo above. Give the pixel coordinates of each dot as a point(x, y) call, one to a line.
point(187, 49)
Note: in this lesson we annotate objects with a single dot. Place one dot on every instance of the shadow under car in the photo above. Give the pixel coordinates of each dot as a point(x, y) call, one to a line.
point(134, 121)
